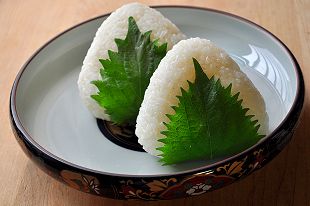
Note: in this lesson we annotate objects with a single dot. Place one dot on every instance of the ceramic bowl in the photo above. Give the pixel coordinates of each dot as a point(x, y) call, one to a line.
point(61, 136)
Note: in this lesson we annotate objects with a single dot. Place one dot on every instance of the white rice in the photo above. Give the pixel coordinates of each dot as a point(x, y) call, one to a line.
point(116, 26)
point(173, 72)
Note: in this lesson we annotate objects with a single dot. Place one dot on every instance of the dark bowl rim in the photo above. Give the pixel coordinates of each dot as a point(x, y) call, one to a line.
point(299, 96)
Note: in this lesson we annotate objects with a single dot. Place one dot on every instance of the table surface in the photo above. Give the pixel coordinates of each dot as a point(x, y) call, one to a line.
point(26, 25)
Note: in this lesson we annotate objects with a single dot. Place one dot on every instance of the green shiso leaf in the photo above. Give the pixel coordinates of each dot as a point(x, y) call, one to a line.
point(126, 74)
point(209, 122)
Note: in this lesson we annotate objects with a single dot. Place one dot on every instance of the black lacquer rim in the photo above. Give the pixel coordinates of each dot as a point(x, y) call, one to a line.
point(44, 154)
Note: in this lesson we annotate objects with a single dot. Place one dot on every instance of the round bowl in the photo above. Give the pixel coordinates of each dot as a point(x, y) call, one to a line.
point(59, 134)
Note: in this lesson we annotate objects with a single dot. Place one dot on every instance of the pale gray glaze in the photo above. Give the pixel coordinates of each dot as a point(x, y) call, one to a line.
point(51, 111)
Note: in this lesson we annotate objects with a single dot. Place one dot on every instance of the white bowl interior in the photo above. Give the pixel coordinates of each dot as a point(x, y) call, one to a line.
point(50, 110)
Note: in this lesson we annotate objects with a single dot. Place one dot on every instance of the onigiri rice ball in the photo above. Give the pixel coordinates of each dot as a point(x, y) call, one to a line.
point(173, 72)
point(116, 26)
